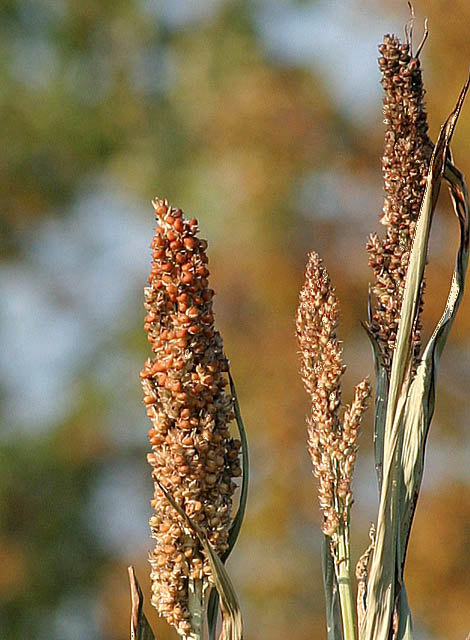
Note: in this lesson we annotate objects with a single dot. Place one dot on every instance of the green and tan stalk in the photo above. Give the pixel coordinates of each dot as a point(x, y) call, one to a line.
point(406, 377)
point(332, 442)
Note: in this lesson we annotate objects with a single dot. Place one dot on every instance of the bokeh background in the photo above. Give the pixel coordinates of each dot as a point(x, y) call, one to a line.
point(262, 119)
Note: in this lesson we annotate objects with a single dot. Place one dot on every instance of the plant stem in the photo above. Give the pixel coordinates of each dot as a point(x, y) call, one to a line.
point(196, 607)
point(344, 583)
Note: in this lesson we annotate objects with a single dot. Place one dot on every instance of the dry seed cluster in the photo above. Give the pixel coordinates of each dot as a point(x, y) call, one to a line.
point(405, 163)
point(332, 444)
point(193, 454)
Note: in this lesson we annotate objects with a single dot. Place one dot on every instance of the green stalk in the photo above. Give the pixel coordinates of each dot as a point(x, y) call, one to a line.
point(344, 583)
point(196, 606)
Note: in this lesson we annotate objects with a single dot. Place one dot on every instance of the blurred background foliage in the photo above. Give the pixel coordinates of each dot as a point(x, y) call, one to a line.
point(263, 120)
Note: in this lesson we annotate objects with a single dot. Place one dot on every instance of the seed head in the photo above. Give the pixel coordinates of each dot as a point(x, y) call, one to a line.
point(193, 454)
point(405, 161)
point(332, 445)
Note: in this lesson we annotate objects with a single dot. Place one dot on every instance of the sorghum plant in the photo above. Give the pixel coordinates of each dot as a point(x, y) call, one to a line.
point(332, 443)
point(405, 372)
point(194, 457)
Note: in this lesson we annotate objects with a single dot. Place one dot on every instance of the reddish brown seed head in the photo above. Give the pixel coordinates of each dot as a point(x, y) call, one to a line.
point(184, 392)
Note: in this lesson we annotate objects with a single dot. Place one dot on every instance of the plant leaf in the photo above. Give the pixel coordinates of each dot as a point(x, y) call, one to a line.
point(405, 626)
point(232, 628)
point(140, 627)
point(237, 522)
point(386, 561)
point(422, 391)
point(212, 607)
point(380, 400)
point(330, 585)
point(212, 613)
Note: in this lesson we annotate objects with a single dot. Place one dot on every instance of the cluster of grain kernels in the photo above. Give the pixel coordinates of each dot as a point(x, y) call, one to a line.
point(193, 453)
point(349, 438)
point(332, 445)
point(407, 151)
point(321, 369)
